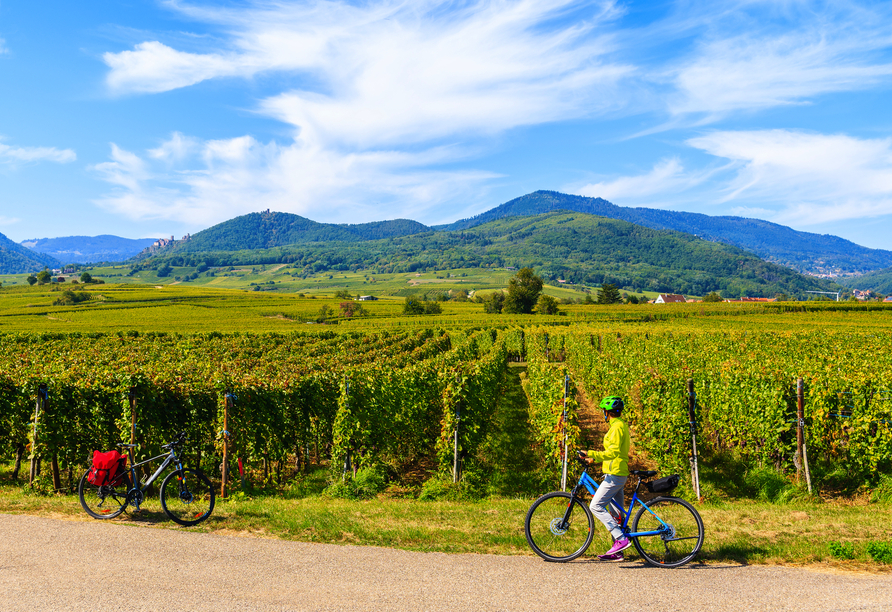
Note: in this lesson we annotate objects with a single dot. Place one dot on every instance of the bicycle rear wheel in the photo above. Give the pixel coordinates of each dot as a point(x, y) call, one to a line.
point(677, 544)
point(103, 502)
point(187, 496)
point(549, 536)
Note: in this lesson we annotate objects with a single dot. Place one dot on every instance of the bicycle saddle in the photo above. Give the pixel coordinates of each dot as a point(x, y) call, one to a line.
point(643, 473)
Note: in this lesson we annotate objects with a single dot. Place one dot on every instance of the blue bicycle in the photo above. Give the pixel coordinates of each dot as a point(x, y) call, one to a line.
point(666, 531)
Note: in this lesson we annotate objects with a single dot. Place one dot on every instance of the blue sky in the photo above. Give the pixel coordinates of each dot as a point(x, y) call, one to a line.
point(150, 118)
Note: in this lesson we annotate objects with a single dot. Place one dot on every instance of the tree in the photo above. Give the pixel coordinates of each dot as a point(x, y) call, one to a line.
point(609, 294)
point(351, 309)
point(494, 302)
point(31, 280)
point(523, 292)
point(713, 297)
point(43, 277)
point(547, 305)
point(324, 313)
point(415, 306)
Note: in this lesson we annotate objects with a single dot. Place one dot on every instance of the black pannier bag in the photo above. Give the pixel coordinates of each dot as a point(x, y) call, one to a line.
point(663, 485)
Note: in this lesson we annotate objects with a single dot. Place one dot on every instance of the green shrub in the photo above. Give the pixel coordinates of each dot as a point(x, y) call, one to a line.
point(881, 552)
point(367, 484)
point(842, 550)
point(441, 488)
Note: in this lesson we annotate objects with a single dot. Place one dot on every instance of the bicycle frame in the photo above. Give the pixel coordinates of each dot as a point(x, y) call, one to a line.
point(592, 485)
point(170, 457)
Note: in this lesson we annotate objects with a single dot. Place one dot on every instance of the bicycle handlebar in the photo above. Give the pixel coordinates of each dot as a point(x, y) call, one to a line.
point(181, 437)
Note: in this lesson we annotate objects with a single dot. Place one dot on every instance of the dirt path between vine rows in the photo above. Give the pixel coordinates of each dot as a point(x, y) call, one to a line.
point(67, 565)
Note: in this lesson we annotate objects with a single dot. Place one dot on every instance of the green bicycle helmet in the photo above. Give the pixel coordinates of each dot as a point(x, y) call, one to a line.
point(613, 403)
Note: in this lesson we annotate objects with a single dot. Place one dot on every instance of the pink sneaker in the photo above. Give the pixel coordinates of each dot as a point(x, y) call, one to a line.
point(616, 557)
point(619, 545)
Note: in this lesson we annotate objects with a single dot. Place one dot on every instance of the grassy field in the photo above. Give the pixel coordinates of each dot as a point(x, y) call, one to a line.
point(283, 278)
point(186, 307)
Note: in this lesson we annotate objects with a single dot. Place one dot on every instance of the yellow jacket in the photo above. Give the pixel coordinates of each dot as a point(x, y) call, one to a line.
point(615, 456)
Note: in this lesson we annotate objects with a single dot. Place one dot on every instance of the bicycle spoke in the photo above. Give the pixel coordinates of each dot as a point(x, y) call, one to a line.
point(550, 536)
point(680, 532)
point(187, 497)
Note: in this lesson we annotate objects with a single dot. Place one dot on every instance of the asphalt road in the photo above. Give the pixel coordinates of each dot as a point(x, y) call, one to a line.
point(62, 565)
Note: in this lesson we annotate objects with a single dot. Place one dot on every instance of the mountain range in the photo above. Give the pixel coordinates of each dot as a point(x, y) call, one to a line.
point(569, 247)
point(275, 233)
point(809, 253)
point(803, 251)
point(89, 249)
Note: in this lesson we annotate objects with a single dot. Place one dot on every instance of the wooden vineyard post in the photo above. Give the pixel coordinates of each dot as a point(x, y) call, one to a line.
point(692, 422)
point(456, 455)
point(800, 433)
point(227, 404)
point(38, 408)
point(564, 431)
point(131, 397)
point(347, 466)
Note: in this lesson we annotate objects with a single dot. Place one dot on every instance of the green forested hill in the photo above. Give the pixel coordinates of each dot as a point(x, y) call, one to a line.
point(879, 281)
point(803, 251)
point(577, 247)
point(273, 229)
point(15, 259)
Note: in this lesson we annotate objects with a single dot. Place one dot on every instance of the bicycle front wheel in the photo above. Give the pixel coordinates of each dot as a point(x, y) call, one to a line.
point(103, 502)
point(187, 497)
point(681, 532)
point(553, 538)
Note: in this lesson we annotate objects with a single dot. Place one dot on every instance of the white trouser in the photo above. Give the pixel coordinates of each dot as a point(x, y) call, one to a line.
point(611, 488)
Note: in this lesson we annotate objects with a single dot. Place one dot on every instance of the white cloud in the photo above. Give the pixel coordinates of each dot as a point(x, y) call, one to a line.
point(805, 178)
point(667, 177)
point(787, 54)
point(153, 67)
point(6, 221)
point(18, 155)
point(3, 48)
point(220, 179)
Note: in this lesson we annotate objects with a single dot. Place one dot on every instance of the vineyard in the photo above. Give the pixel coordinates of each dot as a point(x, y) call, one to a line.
point(415, 396)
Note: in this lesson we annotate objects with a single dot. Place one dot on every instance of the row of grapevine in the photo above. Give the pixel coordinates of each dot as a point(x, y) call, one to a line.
point(287, 388)
point(402, 417)
point(745, 386)
point(552, 419)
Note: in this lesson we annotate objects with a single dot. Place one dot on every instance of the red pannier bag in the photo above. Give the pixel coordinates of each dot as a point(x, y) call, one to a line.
point(108, 468)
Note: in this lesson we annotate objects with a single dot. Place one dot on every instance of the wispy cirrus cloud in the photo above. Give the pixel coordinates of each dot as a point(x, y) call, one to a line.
point(805, 178)
point(667, 177)
point(21, 155)
point(3, 48)
point(757, 55)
